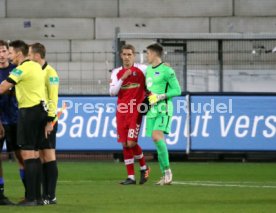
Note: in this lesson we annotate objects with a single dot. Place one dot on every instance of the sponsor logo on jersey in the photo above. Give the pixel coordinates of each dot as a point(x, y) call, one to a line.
point(156, 73)
point(130, 86)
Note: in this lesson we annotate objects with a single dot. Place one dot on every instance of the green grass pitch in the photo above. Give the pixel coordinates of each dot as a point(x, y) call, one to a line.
point(199, 187)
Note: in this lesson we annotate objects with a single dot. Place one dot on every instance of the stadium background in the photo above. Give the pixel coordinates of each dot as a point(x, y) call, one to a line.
point(226, 48)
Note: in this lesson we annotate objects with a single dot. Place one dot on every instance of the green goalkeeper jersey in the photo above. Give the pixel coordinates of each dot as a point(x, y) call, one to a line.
point(162, 80)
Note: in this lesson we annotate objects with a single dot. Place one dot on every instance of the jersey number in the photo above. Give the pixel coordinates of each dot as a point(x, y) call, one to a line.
point(133, 133)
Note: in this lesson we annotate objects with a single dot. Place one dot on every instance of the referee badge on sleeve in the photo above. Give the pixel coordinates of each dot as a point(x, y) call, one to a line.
point(54, 80)
point(16, 72)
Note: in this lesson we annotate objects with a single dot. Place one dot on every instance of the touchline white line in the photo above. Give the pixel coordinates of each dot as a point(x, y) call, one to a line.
point(209, 184)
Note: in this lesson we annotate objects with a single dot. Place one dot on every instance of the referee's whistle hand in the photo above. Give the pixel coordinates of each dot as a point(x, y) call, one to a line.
point(48, 129)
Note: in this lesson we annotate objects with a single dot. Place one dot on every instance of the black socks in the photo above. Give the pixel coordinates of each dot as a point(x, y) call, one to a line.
point(33, 179)
point(50, 176)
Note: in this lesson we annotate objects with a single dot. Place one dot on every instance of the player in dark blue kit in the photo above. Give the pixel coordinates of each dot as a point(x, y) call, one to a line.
point(8, 119)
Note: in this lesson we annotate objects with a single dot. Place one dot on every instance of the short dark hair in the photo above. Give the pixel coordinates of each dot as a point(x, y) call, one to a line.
point(128, 47)
point(4, 43)
point(157, 48)
point(20, 46)
point(39, 48)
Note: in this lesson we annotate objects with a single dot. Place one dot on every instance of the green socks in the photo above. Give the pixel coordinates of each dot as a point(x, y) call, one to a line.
point(163, 155)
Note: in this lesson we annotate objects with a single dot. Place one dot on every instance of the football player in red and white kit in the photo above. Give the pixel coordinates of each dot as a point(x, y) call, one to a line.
point(128, 83)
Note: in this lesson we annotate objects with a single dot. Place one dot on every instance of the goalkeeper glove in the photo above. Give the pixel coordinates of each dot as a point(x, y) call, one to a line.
point(154, 98)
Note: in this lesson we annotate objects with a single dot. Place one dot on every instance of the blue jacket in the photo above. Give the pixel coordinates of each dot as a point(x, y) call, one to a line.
point(8, 103)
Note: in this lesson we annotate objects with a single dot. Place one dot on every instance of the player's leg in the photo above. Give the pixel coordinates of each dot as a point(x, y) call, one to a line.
point(1, 179)
point(150, 123)
point(162, 125)
point(3, 199)
point(20, 161)
point(139, 155)
point(137, 150)
point(122, 132)
point(1, 171)
point(163, 155)
point(156, 128)
point(129, 163)
point(11, 141)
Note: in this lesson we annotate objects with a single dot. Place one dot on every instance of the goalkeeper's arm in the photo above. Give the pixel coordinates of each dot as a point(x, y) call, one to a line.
point(174, 87)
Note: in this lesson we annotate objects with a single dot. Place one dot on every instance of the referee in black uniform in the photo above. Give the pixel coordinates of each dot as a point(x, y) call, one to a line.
point(28, 79)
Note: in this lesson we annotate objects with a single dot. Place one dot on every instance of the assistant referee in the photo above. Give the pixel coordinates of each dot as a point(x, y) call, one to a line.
point(37, 53)
point(28, 79)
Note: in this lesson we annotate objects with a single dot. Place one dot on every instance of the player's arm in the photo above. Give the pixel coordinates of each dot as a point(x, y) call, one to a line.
point(174, 88)
point(5, 86)
point(115, 83)
point(14, 77)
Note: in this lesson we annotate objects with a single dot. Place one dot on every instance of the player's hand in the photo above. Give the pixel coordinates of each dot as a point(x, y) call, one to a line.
point(126, 74)
point(48, 129)
point(154, 98)
point(2, 131)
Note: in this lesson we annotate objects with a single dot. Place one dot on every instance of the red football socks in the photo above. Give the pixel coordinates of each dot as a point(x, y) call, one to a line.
point(138, 154)
point(129, 161)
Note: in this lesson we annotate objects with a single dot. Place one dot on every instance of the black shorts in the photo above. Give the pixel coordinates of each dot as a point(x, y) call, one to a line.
point(50, 142)
point(10, 138)
point(30, 128)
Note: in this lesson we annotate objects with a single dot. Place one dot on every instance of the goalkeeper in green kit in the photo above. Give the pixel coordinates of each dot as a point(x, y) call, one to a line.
point(162, 85)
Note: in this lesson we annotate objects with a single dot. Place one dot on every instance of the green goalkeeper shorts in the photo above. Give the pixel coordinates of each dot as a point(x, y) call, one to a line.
point(161, 122)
